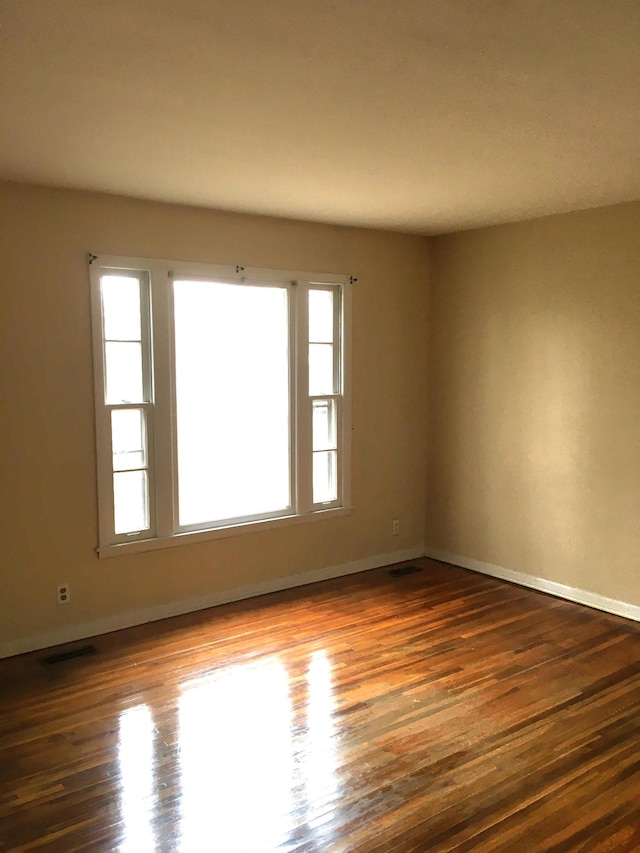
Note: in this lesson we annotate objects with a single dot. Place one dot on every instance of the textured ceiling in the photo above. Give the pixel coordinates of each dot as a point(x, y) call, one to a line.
point(413, 115)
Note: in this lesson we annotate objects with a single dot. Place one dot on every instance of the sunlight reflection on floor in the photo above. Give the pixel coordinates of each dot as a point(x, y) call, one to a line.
point(249, 772)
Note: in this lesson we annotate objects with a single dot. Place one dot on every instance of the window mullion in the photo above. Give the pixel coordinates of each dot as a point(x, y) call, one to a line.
point(340, 453)
point(103, 417)
point(164, 452)
point(337, 340)
point(105, 475)
point(146, 326)
point(146, 329)
point(303, 401)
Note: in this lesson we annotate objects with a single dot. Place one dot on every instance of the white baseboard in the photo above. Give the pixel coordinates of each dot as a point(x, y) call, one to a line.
point(118, 621)
point(579, 596)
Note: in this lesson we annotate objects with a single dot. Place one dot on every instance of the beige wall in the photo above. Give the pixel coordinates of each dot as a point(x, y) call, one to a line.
point(534, 398)
point(48, 490)
point(534, 403)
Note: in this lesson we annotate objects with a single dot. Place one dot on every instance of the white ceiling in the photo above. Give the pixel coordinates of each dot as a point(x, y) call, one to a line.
point(412, 115)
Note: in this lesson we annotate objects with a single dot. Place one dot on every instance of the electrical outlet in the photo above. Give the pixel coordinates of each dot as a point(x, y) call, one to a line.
point(64, 593)
point(395, 527)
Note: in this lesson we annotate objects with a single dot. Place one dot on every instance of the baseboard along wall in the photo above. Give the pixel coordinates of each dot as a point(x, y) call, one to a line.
point(84, 630)
point(570, 593)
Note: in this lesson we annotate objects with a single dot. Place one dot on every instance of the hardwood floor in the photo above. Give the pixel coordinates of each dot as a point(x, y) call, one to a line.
point(442, 710)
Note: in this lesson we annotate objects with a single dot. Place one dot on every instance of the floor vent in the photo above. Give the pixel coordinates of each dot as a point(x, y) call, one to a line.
point(81, 652)
point(404, 570)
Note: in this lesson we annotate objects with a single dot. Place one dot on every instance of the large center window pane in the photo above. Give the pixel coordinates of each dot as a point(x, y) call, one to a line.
point(232, 400)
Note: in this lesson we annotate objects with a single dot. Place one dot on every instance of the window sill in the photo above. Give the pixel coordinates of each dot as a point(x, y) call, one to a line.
point(192, 537)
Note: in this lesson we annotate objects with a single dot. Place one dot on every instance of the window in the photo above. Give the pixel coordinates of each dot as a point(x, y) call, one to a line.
point(221, 399)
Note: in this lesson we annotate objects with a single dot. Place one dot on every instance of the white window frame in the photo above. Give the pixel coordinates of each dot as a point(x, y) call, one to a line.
point(160, 408)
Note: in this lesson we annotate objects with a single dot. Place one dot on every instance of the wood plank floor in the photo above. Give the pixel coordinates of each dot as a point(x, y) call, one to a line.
point(438, 711)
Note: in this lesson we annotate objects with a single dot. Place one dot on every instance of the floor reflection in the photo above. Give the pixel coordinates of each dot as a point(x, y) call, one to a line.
point(320, 764)
point(236, 760)
point(135, 756)
point(251, 768)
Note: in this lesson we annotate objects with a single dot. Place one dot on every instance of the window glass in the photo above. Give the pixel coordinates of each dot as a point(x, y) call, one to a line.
point(324, 424)
point(321, 370)
point(232, 400)
point(321, 316)
point(324, 477)
point(131, 501)
point(121, 308)
point(124, 372)
point(128, 439)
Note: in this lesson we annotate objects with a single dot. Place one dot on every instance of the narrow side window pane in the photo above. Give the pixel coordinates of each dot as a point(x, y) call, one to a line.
point(321, 371)
point(121, 307)
point(123, 362)
point(130, 501)
point(324, 425)
point(232, 400)
point(325, 481)
point(321, 316)
point(128, 439)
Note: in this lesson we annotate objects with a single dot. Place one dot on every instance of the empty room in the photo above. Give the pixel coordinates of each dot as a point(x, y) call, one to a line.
point(320, 482)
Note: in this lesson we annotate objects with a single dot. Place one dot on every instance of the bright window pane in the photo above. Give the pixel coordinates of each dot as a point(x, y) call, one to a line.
point(325, 483)
point(131, 501)
point(128, 439)
point(121, 307)
point(321, 379)
point(124, 372)
point(324, 425)
point(321, 316)
point(232, 400)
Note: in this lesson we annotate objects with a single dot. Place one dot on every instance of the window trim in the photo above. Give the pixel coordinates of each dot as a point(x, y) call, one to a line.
point(165, 530)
